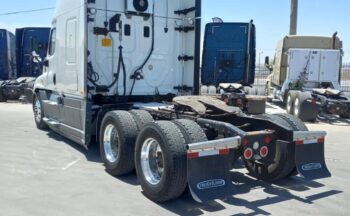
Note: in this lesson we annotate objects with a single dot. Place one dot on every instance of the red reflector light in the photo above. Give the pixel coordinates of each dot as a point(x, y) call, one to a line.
point(299, 142)
point(224, 151)
point(248, 153)
point(320, 140)
point(192, 155)
point(264, 151)
point(245, 142)
point(267, 139)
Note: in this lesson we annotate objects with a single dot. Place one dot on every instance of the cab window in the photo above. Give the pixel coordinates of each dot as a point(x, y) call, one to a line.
point(52, 43)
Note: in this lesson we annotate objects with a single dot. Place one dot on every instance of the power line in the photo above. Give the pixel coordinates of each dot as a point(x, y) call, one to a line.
point(26, 11)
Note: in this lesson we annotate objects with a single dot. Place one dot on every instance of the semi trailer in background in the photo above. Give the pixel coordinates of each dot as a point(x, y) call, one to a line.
point(28, 40)
point(7, 55)
point(305, 75)
point(125, 75)
point(7, 61)
point(228, 65)
point(22, 68)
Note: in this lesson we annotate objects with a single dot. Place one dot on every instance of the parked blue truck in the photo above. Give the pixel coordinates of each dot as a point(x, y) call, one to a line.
point(29, 40)
point(23, 44)
point(229, 53)
point(228, 65)
point(7, 55)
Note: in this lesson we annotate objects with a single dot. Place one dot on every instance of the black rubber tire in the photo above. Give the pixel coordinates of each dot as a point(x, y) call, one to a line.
point(3, 97)
point(191, 131)
point(127, 132)
point(268, 94)
point(284, 161)
point(41, 125)
point(345, 116)
point(174, 179)
point(141, 117)
point(297, 125)
point(306, 111)
point(294, 122)
point(290, 102)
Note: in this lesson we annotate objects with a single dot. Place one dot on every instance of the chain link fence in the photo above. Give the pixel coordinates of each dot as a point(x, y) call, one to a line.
point(345, 77)
point(261, 74)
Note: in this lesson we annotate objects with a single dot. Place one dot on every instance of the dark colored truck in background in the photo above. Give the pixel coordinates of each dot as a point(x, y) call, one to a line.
point(7, 55)
point(229, 53)
point(29, 40)
point(228, 65)
point(17, 68)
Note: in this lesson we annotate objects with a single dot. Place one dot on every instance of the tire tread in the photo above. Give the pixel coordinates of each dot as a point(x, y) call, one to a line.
point(175, 146)
point(127, 131)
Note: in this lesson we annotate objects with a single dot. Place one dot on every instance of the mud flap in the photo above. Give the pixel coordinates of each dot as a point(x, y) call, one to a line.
point(209, 178)
point(208, 169)
point(309, 155)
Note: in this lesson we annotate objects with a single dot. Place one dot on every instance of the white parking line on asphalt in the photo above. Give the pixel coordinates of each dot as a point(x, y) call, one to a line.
point(70, 164)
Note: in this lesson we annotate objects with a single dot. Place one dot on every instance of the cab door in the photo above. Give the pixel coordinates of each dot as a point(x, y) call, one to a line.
point(72, 107)
point(50, 98)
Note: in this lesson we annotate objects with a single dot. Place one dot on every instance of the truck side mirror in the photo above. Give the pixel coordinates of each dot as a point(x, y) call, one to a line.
point(267, 64)
point(36, 58)
point(267, 60)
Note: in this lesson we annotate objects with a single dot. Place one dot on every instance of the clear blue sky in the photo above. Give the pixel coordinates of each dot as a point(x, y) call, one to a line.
point(316, 17)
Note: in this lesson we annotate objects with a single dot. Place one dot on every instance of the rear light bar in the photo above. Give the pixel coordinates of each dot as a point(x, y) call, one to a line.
point(306, 137)
point(214, 147)
point(314, 101)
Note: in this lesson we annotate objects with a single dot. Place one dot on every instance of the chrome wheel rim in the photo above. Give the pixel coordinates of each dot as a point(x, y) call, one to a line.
point(289, 103)
point(296, 106)
point(111, 143)
point(37, 110)
point(152, 161)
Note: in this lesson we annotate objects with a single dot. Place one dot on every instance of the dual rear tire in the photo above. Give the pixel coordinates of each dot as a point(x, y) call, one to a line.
point(170, 161)
point(157, 149)
point(297, 105)
point(117, 142)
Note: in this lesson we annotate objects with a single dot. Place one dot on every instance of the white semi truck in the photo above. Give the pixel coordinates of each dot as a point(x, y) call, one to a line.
point(125, 75)
point(306, 76)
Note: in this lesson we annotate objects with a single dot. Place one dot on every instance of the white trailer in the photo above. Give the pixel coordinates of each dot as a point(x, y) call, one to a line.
point(125, 75)
point(306, 77)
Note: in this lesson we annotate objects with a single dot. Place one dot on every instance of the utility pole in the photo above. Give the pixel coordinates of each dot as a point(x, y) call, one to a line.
point(293, 18)
point(261, 52)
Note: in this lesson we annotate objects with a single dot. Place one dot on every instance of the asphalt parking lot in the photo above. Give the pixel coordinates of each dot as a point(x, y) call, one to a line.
point(42, 173)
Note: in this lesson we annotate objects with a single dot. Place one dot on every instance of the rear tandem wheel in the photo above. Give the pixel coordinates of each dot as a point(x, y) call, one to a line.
point(161, 161)
point(117, 142)
point(304, 110)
